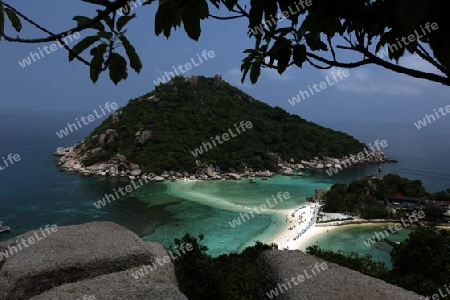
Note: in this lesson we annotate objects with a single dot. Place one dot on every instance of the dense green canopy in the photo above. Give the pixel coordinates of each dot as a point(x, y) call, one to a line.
point(190, 112)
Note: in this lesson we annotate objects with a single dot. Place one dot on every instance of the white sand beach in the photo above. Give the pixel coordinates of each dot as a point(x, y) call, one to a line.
point(285, 227)
point(297, 223)
point(291, 226)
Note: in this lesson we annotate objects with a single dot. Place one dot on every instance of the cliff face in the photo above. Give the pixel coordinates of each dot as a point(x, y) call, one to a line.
point(96, 260)
point(198, 120)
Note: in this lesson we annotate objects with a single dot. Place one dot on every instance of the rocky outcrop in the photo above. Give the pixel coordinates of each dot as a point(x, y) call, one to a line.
point(89, 259)
point(192, 79)
point(370, 157)
point(302, 276)
point(142, 137)
point(107, 137)
point(115, 116)
point(71, 160)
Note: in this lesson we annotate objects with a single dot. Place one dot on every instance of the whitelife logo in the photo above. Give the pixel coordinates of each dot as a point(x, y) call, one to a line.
point(10, 158)
point(319, 87)
point(360, 157)
point(165, 260)
point(187, 66)
point(280, 17)
point(262, 208)
point(34, 56)
point(90, 118)
point(128, 189)
point(225, 137)
point(276, 292)
point(379, 236)
point(423, 123)
point(31, 240)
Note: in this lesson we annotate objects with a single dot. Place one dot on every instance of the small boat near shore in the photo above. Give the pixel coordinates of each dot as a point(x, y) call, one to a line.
point(4, 228)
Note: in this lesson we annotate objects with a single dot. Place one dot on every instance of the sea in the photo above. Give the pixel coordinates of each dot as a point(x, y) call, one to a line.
point(35, 193)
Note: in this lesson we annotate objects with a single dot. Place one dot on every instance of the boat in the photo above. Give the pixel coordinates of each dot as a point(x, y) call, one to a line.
point(252, 181)
point(264, 178)
point(4, 228)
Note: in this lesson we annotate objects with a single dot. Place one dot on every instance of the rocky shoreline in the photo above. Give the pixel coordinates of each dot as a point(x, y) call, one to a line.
point(70, 160)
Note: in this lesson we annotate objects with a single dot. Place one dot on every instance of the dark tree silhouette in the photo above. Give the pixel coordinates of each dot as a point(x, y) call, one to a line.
point(317, 32)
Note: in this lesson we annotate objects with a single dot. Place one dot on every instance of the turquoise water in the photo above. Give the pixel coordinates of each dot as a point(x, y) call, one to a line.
point(350, 238)
point(212, 205)
point(33, 193)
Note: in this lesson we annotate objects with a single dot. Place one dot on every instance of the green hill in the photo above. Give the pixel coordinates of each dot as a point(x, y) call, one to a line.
point(177, 117)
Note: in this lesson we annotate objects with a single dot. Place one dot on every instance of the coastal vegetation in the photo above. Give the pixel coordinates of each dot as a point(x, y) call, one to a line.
point(367, 197)
point(419, 264)
point(186, 113)
point(229, 276)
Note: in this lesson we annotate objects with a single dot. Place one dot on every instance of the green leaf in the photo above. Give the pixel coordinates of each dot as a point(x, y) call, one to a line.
point(99, 49)
point(109, 22)
point(314, 42)
point(135, 61)
point(332, 26)
point(299, 55)
point(255, 13)
point(163, 19)
point(284, 57)
point(97, 60)
point(2, 20)
point(245, 66)
point(83, 45)
point(117, 68)
point(105, 35)
point(409, 14)
point(255, 71)
point(270, 11)
point(81, 20)
point(98, 54)
point(122, 21)
point(15, 21)
point(191, 18)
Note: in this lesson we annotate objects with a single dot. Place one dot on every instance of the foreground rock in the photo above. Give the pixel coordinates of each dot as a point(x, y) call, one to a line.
point(82, 258)
point(119, 286)
point(276, 268)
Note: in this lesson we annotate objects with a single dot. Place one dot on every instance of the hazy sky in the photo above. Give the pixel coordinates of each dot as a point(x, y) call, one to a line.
point(52, 83)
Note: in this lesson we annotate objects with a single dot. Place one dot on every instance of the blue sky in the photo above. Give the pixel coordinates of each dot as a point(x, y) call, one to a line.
point(54, 84)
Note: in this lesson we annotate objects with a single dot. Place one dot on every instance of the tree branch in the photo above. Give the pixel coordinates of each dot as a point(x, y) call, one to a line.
point(340, 64)
point(226, 18)
point(411, 72)
point(57, 36)
point(59, 39)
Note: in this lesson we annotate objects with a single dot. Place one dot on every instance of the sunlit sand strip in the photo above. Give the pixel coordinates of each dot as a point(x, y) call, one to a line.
point(278, 231)
point(207, 199)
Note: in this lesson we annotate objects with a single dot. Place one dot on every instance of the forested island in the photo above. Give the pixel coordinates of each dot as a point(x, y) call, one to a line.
point(197, 127)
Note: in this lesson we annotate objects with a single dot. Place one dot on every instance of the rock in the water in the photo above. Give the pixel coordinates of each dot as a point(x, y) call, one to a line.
point(135, 172)
point(112, 171)
point(234, 176)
